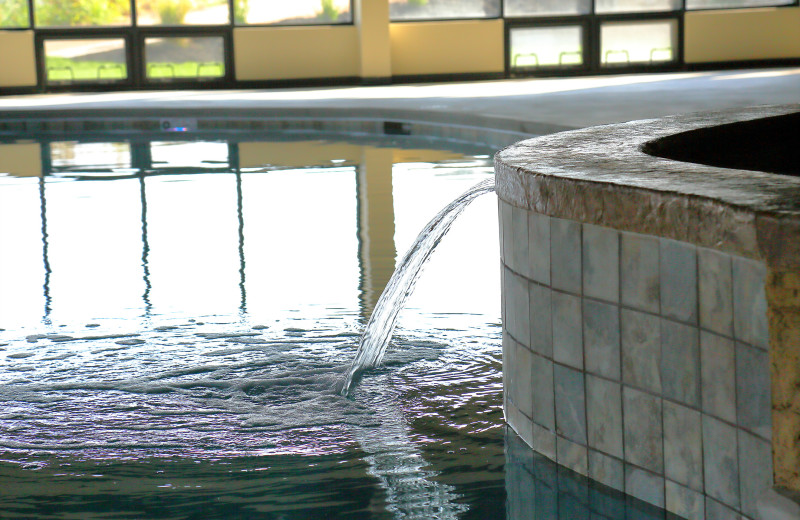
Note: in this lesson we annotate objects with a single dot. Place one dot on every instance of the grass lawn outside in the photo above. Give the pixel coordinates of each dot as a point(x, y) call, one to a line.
point(68, 70)
point(65, 69)
point(186, 69)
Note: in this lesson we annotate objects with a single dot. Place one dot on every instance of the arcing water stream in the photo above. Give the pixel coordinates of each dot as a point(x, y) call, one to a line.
point(381, 323)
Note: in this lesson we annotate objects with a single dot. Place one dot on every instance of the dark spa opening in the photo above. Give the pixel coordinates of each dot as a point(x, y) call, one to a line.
point(769, 145)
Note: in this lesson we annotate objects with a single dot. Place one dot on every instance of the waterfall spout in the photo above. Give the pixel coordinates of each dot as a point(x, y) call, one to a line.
point(381, 323)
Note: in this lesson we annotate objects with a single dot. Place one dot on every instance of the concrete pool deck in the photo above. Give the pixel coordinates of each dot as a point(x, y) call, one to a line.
point(542, 105)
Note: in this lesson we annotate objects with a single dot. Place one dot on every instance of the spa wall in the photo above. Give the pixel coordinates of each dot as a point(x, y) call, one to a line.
point(638, 361)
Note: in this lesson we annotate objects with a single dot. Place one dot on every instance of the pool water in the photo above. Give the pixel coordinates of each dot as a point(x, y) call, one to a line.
point(175, 316)
point(172, 335)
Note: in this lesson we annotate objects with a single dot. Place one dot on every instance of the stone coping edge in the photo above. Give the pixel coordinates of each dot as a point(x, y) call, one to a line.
point(600, 175)
point(471, 127)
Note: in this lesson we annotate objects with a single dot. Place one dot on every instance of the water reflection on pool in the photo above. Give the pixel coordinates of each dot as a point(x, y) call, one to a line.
point(175, 315)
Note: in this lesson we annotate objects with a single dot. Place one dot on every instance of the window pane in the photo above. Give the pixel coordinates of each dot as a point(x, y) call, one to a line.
point(442, 9)
point(98, 60)
point(627, 6)
point(546, 7)
point(14, 13)
point(296, 12)
point(184, 58)
point(189, 154)
point(81, 13)
point(641, 42)
point(74, 158)
point(182, 12)
point(716, 4)
point(533, 47)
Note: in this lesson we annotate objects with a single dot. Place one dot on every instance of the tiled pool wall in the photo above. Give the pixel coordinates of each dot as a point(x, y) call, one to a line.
point(538, 488)
point(638, 361)
point(651, 315)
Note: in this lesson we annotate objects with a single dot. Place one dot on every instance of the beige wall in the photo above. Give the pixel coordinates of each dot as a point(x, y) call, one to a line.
point(271, 53)
point(18, 65)
point(21, 159)
point(305, 153)
point(742, 34)
point(372, 20)
point(447, 47)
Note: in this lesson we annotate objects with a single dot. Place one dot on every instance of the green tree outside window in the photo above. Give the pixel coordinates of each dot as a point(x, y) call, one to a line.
point(14, 14)
point(77, 13)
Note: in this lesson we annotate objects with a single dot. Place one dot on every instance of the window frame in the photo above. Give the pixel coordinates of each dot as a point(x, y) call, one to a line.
point(81, 33)
point(662, 66)
point(544, 22)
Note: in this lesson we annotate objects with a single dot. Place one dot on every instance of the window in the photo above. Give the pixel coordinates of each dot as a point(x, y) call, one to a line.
point(182, 12)
point(189, 154)
point(90, 59)
point(625, 43)
point(516, 8)
point(533, 47)
point(296, 12)
point(70, 158)
point(172, 58)
point(81, 13)
point(635, 6)
point(442, 9)
point(14, 14)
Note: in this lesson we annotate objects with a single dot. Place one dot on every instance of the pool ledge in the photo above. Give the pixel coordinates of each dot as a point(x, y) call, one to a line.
point(651, 317)
point(600, 175)
point(490, 130)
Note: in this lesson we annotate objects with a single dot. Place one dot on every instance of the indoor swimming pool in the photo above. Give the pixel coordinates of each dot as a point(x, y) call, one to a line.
point(176, 311)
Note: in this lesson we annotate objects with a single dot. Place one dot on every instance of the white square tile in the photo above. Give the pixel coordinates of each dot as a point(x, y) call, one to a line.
point(565, 255)
point(539, 247)
point(604, 415)
point(643, 430)
point(601, 339)
point(639, 272)
point(567, 329)
point(718, 376)
point(601, 263)
point(683, 445)
point(678, 266)
point(749, 302)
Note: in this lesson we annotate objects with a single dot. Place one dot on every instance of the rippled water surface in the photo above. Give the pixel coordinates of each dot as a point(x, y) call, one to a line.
point(176, 315)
